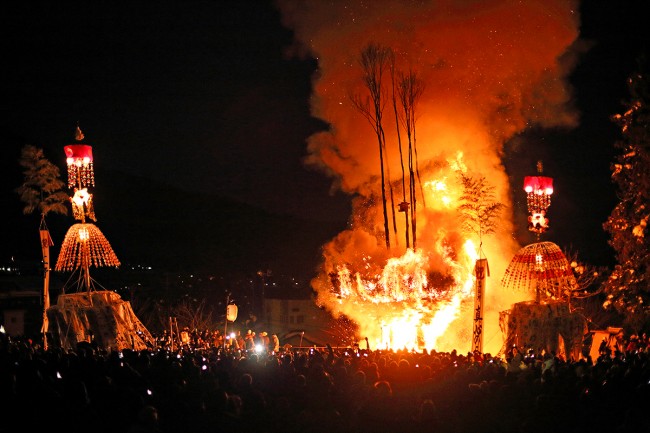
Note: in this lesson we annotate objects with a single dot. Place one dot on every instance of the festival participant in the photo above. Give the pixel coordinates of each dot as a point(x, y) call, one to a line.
point(427, 417)
point(185, 337)
point(515, 362)
point(381, 411)
point(264, 341)
point(275, 343)
point(241, 341)
point(249, 341)
point(632, 344)
point(216, 338)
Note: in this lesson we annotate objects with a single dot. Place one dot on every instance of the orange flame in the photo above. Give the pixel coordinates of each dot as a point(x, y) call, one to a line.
point(491, 69)
point(419, 298)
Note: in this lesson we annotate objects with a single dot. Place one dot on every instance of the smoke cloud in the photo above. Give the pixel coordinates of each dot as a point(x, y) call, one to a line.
point(491, 69)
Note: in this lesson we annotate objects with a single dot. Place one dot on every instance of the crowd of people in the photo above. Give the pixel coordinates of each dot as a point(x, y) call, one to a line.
point(222, 389)
point(195, 339)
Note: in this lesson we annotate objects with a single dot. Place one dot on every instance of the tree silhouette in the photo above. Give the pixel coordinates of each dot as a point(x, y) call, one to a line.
point(374, 60)
point(478, 209)
point(628, 286)
point(42, 189)
point(410, 89)
point(404, 204)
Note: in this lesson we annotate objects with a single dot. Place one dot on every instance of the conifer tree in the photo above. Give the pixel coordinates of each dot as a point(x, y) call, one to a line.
point(42, 189)
point(628, 286)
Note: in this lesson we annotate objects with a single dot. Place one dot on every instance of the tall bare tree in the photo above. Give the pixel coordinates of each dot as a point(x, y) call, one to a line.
point(410, 88)
point(374, 60)
point(404, 204)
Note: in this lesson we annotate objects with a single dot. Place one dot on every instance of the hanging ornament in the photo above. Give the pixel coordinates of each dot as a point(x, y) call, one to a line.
point(85, 245)
point(82, 205)
point(79, 158)
point(81, 177)
point(538, 198)
point(541, 268)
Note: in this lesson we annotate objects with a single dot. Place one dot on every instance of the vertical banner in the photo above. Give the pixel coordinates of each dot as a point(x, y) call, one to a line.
point(481, 271)
point(46, 243)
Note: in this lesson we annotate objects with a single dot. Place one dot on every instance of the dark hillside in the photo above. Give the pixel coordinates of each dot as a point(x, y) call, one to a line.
point(153, 224)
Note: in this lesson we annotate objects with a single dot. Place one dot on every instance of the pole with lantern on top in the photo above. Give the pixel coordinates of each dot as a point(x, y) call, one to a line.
point(84, 244)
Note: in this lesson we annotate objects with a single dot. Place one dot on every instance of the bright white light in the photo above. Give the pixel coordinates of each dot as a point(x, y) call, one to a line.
point(81, 197)
point(259, 348)
point(83, 234)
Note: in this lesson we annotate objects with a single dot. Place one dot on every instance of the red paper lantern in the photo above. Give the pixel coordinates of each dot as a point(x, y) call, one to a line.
point(79, 158)
point(538, 185)
point(538, 197)
point(78, 154)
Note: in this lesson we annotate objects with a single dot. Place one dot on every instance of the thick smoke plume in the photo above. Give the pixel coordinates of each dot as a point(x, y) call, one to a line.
point(490, 69)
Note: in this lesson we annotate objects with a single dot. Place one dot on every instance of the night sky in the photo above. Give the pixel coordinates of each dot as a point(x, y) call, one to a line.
point(203, 97)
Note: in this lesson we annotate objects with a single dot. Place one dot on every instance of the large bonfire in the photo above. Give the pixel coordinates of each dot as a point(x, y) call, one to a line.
point(489, 71)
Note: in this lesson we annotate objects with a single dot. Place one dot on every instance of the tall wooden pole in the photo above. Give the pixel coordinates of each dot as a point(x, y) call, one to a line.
point(46, 243)
point(481, 271)
point(225, 329)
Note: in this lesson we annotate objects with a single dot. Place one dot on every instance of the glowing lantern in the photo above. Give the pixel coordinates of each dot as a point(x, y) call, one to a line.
point(539, 185)
point(231, 312)
point(81, 176)
point(84, 244)
point(79, 158)
point(541, 268)
point(538, 197)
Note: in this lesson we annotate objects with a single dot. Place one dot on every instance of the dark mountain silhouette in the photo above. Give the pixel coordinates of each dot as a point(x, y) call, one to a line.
point(153, 224)
point(148, 222)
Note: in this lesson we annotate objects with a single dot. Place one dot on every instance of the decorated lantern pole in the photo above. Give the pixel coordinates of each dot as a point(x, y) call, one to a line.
point(538, 197)
point(84, 244)
point(481, 271)
point(81, 177)
point(479, 210)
